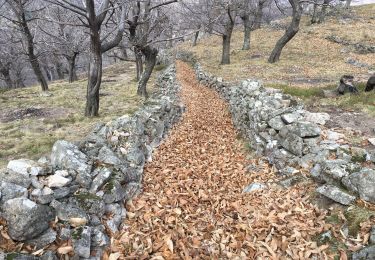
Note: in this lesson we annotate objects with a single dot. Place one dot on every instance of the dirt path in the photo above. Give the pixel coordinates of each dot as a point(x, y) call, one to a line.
point(192, 205)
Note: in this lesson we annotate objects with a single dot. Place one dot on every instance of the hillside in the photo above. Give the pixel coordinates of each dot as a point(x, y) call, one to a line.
point(309, 62)
point(30, 121)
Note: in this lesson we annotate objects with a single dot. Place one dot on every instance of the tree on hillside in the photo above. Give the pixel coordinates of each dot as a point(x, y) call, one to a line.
point(259, 14)
point(105, 21)
point(245, 15)
point(290, 32)
point(66, 39)
point(22, 13)
point(147, 24)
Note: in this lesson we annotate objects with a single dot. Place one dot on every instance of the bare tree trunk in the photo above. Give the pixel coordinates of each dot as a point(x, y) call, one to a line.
point(225, 59)
point(314, 17)
point(59, 70)
point(94, 73)
point(258, 15)
point(347, 4)
point(72, 67)
point(124, 53)
point(323, 12)
point(289, 33)
point(31, 54)
point(5, 71)
point(48, 72)
point(247, 31)
point(150, 55)
point(139, 64)
point(196, 35)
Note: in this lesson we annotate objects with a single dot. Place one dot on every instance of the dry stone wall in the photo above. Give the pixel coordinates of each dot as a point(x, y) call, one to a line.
point(84, 185)
point(277, 126)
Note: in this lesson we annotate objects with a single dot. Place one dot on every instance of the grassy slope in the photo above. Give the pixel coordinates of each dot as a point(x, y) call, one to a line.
point(308, 63)
point(34, 136)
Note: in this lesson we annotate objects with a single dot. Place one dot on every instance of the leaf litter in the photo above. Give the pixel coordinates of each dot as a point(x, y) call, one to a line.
point(193, 207)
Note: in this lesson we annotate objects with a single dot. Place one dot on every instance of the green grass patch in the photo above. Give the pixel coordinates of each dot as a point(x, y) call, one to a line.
point(304, 93)
point(355, 216)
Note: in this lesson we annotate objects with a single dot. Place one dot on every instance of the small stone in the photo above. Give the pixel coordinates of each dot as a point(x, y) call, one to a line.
point(49, 255)
point(77, 222)
point(114, 192)
point(334, 136)
point(291, 181)
point(48, 237)
point(336, 194)
point(67, 211)
point(288, 171)
point(253, 187)
point(107, 156)
point(99, 238)
point(276, 123)
point(57, 181)
point(61, 192)
point(64, 234)
point(290, 117)
point(305, 129)
point(36, 183)
point(367, 253)
point(82, 241)
point(372, 141)
point(372, 235)
point(325, 237)
point(62, 173)
point(43, 196)
point(102, 177)
point(293, 143)
point(25, 167)
point(317, 118)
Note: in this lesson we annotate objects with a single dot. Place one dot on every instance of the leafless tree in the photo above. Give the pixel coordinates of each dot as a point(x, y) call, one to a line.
point(146, 24)
point(20, 15)
point(65, 38)
point(290, 32)
point(94, 15)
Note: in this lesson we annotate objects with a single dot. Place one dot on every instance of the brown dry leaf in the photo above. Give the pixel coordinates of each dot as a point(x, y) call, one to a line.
point(114, 256)
point(64, 250)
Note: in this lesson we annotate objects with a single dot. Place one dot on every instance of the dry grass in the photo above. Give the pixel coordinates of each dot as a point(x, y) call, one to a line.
point(32, 137)
point(309, 61)
point(307, 56)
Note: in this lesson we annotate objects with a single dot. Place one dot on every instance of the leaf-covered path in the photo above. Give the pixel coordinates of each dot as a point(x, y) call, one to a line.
point(192, 205)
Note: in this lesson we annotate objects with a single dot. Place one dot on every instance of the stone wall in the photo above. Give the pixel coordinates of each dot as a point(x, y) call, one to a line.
point(277, 126)
point(84, 185)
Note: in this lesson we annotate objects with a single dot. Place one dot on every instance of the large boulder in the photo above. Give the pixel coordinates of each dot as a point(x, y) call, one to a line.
point(335, 194)
point(67, 156)
point(363, 183)
point(10, 191)
point(303, 129)
point(26, 167)
point(26, 219)
point(367, 253)
point(317, 118)
point(293, 143)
